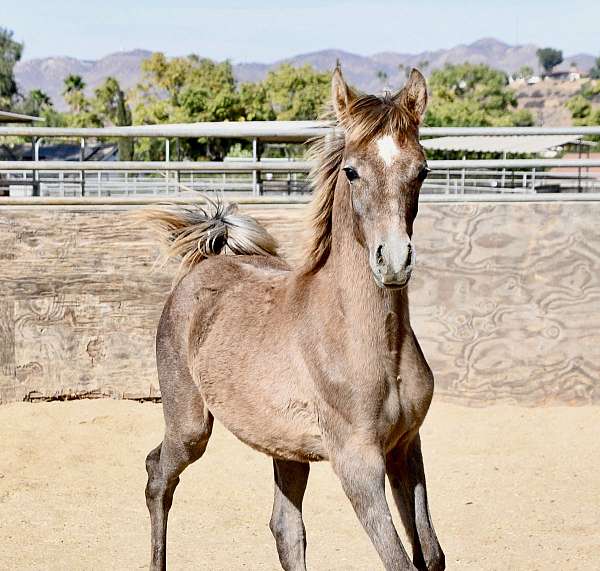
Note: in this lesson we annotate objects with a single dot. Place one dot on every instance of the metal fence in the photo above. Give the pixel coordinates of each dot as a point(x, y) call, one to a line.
point(259, 176)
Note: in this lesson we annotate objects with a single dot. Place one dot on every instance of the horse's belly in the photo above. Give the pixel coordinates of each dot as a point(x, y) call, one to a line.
point(289, 432)
point(244, 372)
point(265, 408)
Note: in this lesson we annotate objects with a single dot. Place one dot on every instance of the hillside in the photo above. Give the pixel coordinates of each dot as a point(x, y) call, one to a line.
point(48, 73)
point(547, 100)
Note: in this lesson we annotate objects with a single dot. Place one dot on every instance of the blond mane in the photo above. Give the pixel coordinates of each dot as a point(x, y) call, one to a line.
point(366, 118)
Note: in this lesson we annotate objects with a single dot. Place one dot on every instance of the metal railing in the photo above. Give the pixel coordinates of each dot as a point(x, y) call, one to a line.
point(269, 131)
point(256, 176)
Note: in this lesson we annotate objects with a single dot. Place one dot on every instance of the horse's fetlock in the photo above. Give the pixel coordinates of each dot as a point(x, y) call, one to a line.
point(436, 561)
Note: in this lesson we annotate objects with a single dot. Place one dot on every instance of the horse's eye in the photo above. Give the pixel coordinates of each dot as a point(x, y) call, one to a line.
point(425, 170)
point(351, 173)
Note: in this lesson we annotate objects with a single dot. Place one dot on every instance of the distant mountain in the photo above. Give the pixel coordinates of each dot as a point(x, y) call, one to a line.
point(48, 73)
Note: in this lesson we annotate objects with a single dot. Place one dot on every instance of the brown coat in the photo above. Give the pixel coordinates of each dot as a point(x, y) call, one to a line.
point(313, 363)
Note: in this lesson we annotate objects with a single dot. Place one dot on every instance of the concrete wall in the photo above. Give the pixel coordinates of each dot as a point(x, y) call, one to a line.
point(505, 299)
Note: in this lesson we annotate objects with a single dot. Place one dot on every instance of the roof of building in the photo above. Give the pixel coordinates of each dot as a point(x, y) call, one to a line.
point(510, 144)
point(9, 117)
point(60, 152)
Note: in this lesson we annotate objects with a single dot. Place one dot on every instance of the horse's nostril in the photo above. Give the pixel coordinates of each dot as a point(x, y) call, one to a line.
point(379, 255)
point(409, 254)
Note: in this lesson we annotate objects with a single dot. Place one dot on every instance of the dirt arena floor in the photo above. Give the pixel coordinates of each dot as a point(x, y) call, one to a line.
point(510, 488)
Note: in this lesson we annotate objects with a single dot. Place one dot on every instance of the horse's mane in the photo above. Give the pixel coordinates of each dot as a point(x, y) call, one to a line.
point(366, 117)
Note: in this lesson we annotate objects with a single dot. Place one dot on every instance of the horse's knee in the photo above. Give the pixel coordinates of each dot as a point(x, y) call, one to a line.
point(153, 460)
point(190, 440)
point(196, 438)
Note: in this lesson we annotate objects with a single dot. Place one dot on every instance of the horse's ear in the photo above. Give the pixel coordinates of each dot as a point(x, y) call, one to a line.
point(341, 94)
point(414, 93)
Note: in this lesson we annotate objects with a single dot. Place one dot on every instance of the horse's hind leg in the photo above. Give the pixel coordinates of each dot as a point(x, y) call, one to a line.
point(188, 425)
point(286, 521)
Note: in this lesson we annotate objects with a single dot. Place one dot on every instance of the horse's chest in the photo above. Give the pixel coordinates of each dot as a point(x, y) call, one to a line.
point(405, 387)
point(402, 412)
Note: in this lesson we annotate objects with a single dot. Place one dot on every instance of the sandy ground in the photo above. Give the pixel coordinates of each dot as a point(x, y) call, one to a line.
point(510, 488)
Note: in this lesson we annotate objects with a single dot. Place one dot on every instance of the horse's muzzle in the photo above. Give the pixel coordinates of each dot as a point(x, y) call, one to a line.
point(392, 262)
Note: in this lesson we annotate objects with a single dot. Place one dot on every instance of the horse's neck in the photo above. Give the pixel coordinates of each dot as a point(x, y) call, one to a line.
point(347, 268)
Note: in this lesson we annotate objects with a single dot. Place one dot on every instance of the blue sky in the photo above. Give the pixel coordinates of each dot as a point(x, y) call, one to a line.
point(267, 30)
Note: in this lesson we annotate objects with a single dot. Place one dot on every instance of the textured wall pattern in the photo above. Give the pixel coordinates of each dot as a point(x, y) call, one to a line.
point(505, 300)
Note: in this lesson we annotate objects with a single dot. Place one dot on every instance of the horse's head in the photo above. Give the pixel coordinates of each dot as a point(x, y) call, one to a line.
point(384, 166)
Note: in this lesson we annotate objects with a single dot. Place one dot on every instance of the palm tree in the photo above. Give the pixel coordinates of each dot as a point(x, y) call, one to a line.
point(73, 92)
point(36, 102)
point(41, 98)
point(73, 83)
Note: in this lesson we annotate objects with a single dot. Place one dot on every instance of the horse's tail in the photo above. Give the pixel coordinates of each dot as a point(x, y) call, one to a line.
point(193, 233)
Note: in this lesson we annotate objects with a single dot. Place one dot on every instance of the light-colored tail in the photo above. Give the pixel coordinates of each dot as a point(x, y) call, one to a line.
point(193, 233)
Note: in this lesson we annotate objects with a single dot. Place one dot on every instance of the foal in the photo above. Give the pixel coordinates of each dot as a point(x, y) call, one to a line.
point(314, 363)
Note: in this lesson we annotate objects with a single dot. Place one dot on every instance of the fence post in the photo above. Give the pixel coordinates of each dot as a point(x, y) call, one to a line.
point(167, 160)
point(35, 191)
point(256, 181)
point(81, 159)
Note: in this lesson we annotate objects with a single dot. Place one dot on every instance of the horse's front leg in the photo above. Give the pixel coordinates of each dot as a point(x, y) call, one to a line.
point(407, 479)
point(361, 470)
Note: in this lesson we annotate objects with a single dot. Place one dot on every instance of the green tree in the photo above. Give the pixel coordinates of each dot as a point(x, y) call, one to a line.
point(10, 54)
point(73, 83)
point(595, 71)
point(582, 107)
point(35, 103)
point(549, 58)
point(579, 107)
point(287, 93)
point(111, 107)
point(185, 90)
point(81, 112)
point(73, 93)
point(190, 89)
point(525, 71)
point(39, 104)
point(590, 90)
point(473, 95)
point(296, 93)
point(256, 103)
